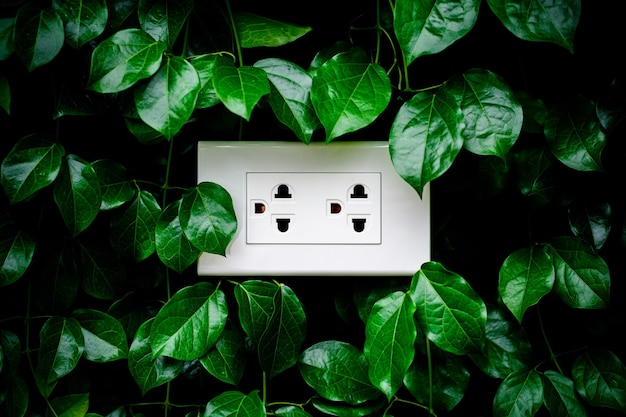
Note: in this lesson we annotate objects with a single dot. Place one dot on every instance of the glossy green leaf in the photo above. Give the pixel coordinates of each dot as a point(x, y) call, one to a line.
point(540, 20)
point(72, 405)
point(197, 313)
point(144, 133)
point(560, 397)
point(17, 397)
point(290, 96)
point(104, 337)
point(492, 115)
point(273, 317)
point(39, 36)
point(83, 20)
point(389, 338)
point(349, 93)
point(114, 186)
point(61, 346)
point(582, 277)
point(449, 312)
point(77, 193)
point(519, 395)
point(126, 57)
point(239, 88)
point(255, 31)
point(56, 286)
point(426, 27)
point(172, 246)
point(103, 274)
point(120, 11)
point(591, 222)
point(425, 137)
point(5, 95)
point(532, 165)
point(163, 19)
point(291, 411)
point(132, 310)
point(227, 359)
point(6, 38)
point(204, 64)
point(525, 277)
point(235, 404)
point(132, 232)
point(32, 164)
point(167, 100)
point(16, 251)
point(575, 136)
point(340, 409)
point(600, 378)
point(337, 371)
point(207, 217)
point(147, 372)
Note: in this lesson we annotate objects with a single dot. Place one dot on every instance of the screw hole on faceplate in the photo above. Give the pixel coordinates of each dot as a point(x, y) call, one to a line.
point(259, 208)
point(358, 224)
point(282, 191)
point(283, 225)
point(358, 191)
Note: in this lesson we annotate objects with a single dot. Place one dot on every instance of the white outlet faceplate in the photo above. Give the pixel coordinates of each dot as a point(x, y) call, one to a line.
point(319, 209)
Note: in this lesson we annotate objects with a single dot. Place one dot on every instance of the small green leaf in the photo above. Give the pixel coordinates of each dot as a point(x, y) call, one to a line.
point(114, 186)
point(84, 20)
point(104, 337)
point(600, 378)
point(255, 31)
point(73, 405)
point(123, 59)
point(103, 275)
point(61, 346)
point(235, 404)
point(11, 350)
point(39, 36)
point(132, 310)
point(226, 360)
point(204, 64)
point(16, 251)
point(6, 38)
point(172, 246)
point(532, 167)
point(5, 95)
point(17, 397)
point(349, 93)
point(520, 394)
point(32, 164)
point(163, 19)
point(591, 221)
point(560, 397)
point(55, 287)
point(207, 217)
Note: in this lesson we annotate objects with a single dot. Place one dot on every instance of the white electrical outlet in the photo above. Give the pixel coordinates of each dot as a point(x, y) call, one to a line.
point(317, 209)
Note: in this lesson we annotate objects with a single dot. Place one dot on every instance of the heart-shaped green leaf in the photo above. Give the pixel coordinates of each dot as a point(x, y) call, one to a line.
point(163, 19)
point(172, 246)
point(61, 346)
point(235, 403)
point(39, 36)
point(16, 251)
point(104, 337)
point(84, 20)
point(600, 378)
point(204, 64)
point(227, 359)
point(520, 394)
point(255, 31)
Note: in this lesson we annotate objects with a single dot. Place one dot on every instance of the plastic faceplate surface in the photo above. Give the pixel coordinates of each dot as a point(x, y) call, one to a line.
point(247, 170)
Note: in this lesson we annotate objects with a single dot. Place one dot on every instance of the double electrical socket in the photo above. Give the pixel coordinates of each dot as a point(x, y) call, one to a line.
point(317, 209)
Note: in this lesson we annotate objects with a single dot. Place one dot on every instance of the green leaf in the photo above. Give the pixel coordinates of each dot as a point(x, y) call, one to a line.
point(204, 64)
point(197, 313)
point(337, 371)
point(532, 165)
point(540, 20)
point(73, 405)
point(103, 275)
point(235, 404)
point(77, 194)
point(167, 100)
point(525, 277)
point(449, 312)
point(6, 38)
point(239, 88)
point(17, 397)
point(56, 286)
point(255, 31)
point(16, 251)
point(349, 93)
point(426, 27)
point(389, 338)
point(227, 359)
point(207, 217)
point(147, 372)
point(290, 96)
point(120, 11)
point(5, 95)
point(273, 318)
point(123, 59)
point(425, 137)
point(172, 246)
point(520, 394)
point(132, 310)
point(32, 164)
point(132, 232)
point(114, 186)
point(61, 346)
point(600, 378)
point(334, 408)
point(163, 19)
point(291, 411)
point(39, 36)
point(591, 222)
point(582, 277)
point(104, 337)
point(560, 397)
point(11, 351)
point(575, 136)
point(84, 20)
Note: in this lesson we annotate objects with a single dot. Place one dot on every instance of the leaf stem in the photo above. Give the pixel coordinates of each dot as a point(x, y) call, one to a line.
point(431, 410)
point(553, 356)
point(235, 33)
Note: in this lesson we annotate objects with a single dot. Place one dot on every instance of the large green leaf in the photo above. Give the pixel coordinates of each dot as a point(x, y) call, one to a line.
point(290, 96)
point(114, 186)
point(163, 19)
point(204, 64)
point(575, 136)
point(72, 405)
point(600, 378)
point(389, 338)
point(540, 20)
point(560, 397)
point(126, 57)
point(425, 27)
point(337, 371)
point(167, 100)
point(103, 274)
point(349, 93)
point(84, 20)
point(77, 193)
point(235, 404)
point(104, 337)
point(16, 251)
point(582, 277)
point(61, 346)
point(207, 217)
point(6, 38)
point(32, 164)
point(425, 137)
point(519, 395)
point(190, 323)
point(449, 312)
point(172, 246)
point(227, 359)
point(39, 36)
point(132, 232)
point(525, 277)
point(255, 31)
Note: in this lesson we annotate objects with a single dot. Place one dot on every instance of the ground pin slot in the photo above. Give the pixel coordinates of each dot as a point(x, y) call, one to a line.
point(358, 224)
point(283, 225)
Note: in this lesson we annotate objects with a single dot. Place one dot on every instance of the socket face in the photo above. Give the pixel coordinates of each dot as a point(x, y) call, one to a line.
point(336, 209)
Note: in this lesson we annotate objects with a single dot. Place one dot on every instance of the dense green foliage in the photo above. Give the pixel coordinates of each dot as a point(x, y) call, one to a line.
point(511, 109)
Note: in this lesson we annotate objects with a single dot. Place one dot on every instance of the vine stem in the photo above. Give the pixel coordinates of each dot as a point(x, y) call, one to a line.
point(235, 33)
point(431, 411)
point(553, 356)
